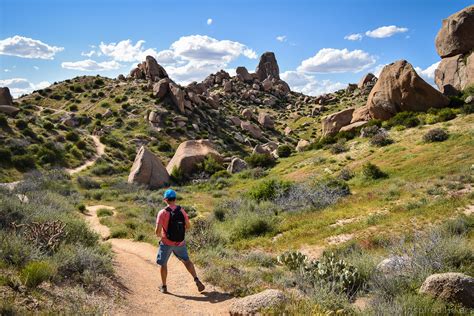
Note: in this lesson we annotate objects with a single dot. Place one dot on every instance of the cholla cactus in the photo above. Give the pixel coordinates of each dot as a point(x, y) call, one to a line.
point(294, 260)
point(47, 235)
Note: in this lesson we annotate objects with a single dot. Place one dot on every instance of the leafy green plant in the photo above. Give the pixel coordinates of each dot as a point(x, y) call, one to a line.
point(293, 260)
point(178, 176)
point(260, 160)
point(104, 212)
point(284, 151)
point(268, 190)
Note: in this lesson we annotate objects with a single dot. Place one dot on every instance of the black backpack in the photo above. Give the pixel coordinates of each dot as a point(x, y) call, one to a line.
point(176, 225)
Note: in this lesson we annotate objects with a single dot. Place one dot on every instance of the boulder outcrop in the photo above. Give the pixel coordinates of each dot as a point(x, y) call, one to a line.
point(236, 165)
point(148, 170)
point(5, 96)
point(450, 286)
point(252, 304)
point(190, 153)
point(398, 89)
point(456, 35)
point(149, 69)
point(267, 67)
point(331, 124)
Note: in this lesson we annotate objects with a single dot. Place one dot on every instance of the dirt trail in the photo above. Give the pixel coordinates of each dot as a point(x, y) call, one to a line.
point(100, 149)
point(136, 269)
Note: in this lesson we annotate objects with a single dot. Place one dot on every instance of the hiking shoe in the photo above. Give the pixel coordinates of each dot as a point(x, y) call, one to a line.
point(199, 285)
point(163, 289)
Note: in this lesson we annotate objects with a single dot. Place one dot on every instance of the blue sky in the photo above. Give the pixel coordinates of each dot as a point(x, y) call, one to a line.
point(46, 41)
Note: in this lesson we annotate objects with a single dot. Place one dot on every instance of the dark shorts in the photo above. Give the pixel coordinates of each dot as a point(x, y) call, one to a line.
point(164, 253)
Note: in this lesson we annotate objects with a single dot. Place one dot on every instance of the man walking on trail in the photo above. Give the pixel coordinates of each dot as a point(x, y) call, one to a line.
point(171, 225)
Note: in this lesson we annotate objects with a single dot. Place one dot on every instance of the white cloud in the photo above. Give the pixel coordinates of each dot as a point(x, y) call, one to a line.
point(209, 21)
point(353, 37)
point(428, 74)
point(26, 47)
point(386, 31)
point(6, 70)
point(91, 53)
point(281, 38)
point(332, 60)
point(91, 65)
point(126, 51)
point(36, 67)
point(205, 48)
point(20, 86)
point(308, 84)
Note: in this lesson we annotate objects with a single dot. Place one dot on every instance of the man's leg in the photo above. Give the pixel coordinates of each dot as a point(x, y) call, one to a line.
point(182, 253)
point(164, 253)
point(190, 267)
point(164, 274)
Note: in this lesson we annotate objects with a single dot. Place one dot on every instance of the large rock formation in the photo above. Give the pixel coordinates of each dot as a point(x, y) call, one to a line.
point(243, 74)
point(190, 153)
point(254, 130)
point(331, 124)
point(149, 69)
point(161, 88)
point(455, 73)
point(267, 67)
point(450, 286)
point(399, 88)
point(456, 35)
point(5, 96)
point(147, 169)
point(252, 304)
point(177, 95)
point(266, 120)
point(455, 44)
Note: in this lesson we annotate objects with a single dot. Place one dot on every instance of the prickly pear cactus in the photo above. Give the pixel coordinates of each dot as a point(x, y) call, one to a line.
point(293, 260)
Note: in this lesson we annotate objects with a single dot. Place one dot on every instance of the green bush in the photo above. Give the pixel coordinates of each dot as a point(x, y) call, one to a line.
point(221, 174)
point(16, 251)
point(210, 165)
point(178, 176)
point(5, 156)
point(104, 212)
point(371, 171)
point(446, 114)
point(87, 183)
point(380, 140)
point(21, 124)
point(73, 108)
point(119, 232)
point(202, 235)
point(268, 190)
point(24, 162)
point(260, 160)
point(468, 108)
point(251, 224)
point(164, 147)
point(284, 151)
point(103, 168)
point(436, 135)
point(48, 125)
point(81, 208)
point(3, 121)
point(36, 272)
point(72, 136)
point(338, 148)
point(407, 119)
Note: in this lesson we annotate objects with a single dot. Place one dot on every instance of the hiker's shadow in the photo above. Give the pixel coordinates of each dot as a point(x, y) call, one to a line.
point(211, 297)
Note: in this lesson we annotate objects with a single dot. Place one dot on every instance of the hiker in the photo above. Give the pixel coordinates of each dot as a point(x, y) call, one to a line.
point(171, 225)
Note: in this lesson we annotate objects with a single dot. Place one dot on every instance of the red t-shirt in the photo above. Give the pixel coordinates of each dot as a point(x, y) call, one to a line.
point(163, 218)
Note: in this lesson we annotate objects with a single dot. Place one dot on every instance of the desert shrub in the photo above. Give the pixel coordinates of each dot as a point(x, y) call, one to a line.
point(268, 190)
point(260, 160)
point(81, 208)
point(346, 174)
point(87, 183)
point(371, 171)
point(3, 121)
point(338, 148)
point(74, 260)
point(178, 176)
point(73, 108)
point(210, 165)
point(24, 162)
point(164, 147)
point(468, 108)
point(76, 152)
point(446, 114)
point(221, 174)
point(104, 212)
point(48, 125)
point(30, 133)
point(21, 124)
point(284, 151)
point(369, 131)
point(202, 235)
point(103, 168)
point(37, 272)
point(16, 251)
point(254, 173)
point(407, 119)
point(248, 224)
point(78, 232)
point(81, 144)
point(436, 135)
point(119, 232)
point(380, 140)
point(120, 99)
point(72, 136)
point(313, 196)
point(99, 82)
point(5, 156)
point(105, 104)
point(51, 153)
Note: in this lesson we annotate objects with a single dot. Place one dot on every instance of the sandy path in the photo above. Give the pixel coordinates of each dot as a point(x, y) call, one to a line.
point(100, 150)
point(136, 269)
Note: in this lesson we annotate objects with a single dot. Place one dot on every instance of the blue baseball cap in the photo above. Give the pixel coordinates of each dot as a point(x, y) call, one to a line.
point(170, 194)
